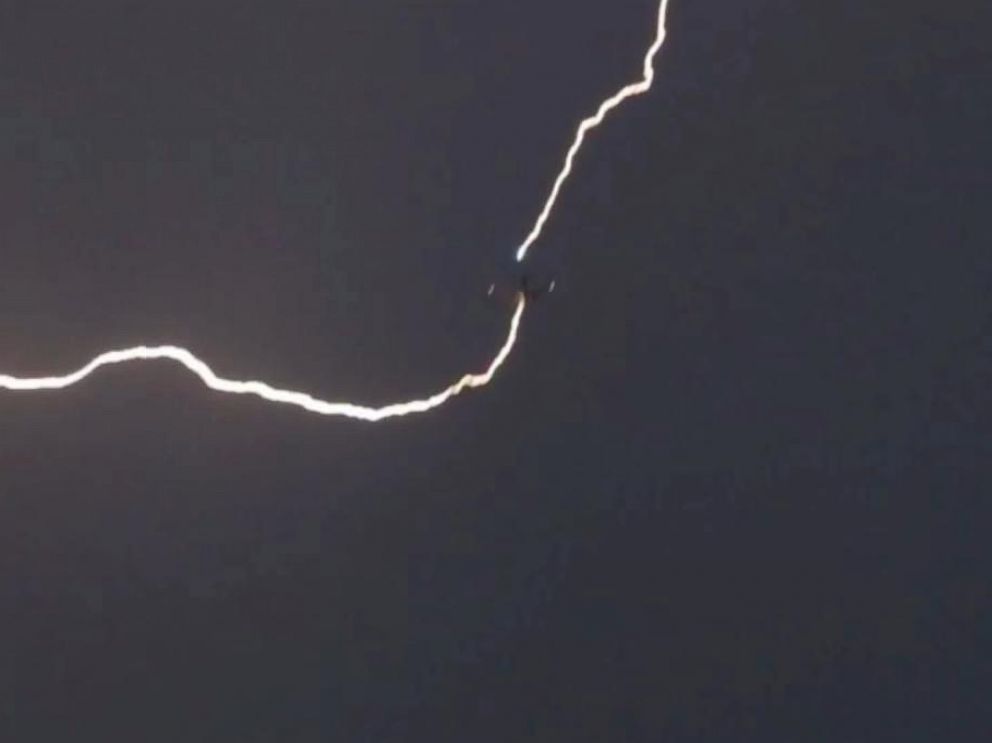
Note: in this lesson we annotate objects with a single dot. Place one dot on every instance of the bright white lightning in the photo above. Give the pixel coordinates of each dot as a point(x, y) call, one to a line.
point(628, 91)
point(267, 392)
point(363, 412)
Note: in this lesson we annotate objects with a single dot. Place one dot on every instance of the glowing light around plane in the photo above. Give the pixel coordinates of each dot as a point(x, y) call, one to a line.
point(351, 410)
point(629, 91)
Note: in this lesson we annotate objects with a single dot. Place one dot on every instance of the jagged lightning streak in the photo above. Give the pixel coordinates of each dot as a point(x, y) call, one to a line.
point(267, 392)
point(628, 91)
point(351, 410)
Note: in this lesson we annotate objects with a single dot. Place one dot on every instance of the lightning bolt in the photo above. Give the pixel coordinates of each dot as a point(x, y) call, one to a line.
point(588, 124)
point(210, 379)
point(267, 392)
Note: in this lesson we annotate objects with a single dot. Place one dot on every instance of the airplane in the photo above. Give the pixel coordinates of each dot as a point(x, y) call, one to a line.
point(527, 286)
point(534, 289)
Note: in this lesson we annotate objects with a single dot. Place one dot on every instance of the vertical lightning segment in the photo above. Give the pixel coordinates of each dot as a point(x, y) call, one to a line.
point(628, 91)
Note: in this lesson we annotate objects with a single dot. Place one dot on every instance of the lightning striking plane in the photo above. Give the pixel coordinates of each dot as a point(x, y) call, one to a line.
point(528, 289)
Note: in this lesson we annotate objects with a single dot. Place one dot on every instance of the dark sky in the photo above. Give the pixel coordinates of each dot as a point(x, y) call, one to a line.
point(734, 484)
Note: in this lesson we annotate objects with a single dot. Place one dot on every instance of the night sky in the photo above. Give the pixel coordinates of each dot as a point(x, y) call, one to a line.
point(735, 484)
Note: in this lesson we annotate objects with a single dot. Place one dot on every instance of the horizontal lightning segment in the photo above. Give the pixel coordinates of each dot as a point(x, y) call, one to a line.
point(267, 392)
point(363, 412)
